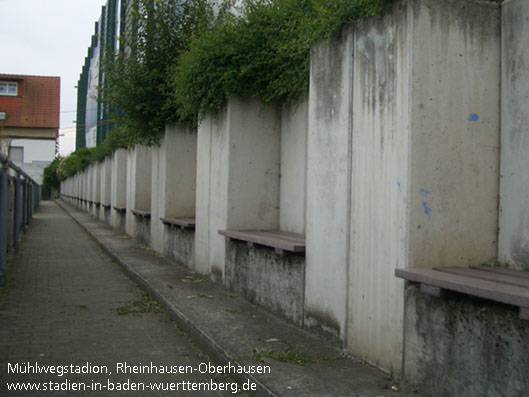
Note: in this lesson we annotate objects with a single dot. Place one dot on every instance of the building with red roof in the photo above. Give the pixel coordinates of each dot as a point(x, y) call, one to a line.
point(29, 120)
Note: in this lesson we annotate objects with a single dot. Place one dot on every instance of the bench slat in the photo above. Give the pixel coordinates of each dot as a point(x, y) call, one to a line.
point(498, 292)
point(295, 238)
point(503, 270)
point(484, 275)
point(143, 214)
point(268, 238)
point(186, 222)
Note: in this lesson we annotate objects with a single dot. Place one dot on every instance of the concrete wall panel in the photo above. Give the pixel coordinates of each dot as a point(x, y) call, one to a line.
point(254, 160)
point(293, 186)
point(201, 261)
point(119, 187)
point(514, 206)
point(455, 123)
point(328, 154)
point(379, 188)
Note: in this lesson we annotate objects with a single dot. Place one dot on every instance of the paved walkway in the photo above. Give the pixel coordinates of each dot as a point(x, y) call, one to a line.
point(67, 302)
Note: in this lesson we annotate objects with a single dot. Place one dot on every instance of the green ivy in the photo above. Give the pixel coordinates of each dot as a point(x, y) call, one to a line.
point(264, 52)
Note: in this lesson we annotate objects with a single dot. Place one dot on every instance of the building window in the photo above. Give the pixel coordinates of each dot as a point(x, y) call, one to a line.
point(8, 88)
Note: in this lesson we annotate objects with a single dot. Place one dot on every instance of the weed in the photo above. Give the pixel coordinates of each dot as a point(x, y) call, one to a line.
point(296, 355)
point(135, 308)
point(196, 279)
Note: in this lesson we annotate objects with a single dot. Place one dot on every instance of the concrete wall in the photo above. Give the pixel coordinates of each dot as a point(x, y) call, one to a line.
point(455, 144)
point(105, 188)
point(402, 163)
point(430, 176)
point(96, 189)
point(328, 162)
point(465, 347)
point(212, 183)
point(118, 196)
point(381, 137)
point(139, 173)
point(179, 245)
point(173, 179)
point(293, 184)
point(273, 281)
point(237, 177)
point(514, 206)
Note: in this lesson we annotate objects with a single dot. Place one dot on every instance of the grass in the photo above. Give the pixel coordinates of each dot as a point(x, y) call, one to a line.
point(136, 308)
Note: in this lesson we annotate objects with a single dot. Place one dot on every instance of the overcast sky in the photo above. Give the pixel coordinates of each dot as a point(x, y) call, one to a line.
point(49, 38)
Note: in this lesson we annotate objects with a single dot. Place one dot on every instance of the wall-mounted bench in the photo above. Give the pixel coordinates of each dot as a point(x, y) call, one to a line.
point(120, 209)
point(141, 214)
point(498, 284)
point(280, 241)
point(183, 222)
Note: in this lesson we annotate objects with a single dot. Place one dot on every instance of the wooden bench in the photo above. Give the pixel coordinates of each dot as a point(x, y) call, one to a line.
point(141, 214)
point(498, 284)
point(280, 241)
point(183, 222)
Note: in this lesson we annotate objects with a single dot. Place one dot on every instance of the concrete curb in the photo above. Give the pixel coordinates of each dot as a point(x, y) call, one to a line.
point(205, 341)
point(232, 330)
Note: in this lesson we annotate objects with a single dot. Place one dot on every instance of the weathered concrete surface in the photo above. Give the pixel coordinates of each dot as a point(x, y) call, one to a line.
point(293, 184)
point(379, 181)
point(179, 174)
point(96, 188)
point(142, 230)
point(157, 196)
point(328, 160)
point(179, 245)
point(238, 177)
point(273, 281)
point(464, 346)
point(105, 188)
point(139, 180)
point(425, 146)
point(514, 183)
point(173, 179)
point(212, 193)
point(118, 195)
point(233, 330)
point(455, 144)
point(254, 161)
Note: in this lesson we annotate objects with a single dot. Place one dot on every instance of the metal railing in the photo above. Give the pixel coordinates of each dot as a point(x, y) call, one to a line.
point(19, 198)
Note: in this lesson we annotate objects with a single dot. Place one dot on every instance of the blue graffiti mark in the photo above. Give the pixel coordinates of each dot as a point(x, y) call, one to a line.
point(427, 209)
point(425, 193)
point(399, 185)
point(473, 117)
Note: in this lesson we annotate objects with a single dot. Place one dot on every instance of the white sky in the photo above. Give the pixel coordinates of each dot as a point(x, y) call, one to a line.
point(49, 38)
